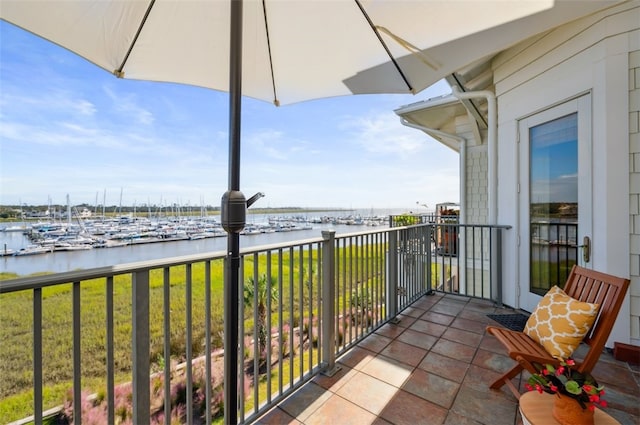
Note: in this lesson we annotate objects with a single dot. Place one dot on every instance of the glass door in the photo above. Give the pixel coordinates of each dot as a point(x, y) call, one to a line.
point(555, 197)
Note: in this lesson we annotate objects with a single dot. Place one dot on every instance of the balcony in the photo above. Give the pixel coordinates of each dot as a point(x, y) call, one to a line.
point(402, 340)
point(433, 367)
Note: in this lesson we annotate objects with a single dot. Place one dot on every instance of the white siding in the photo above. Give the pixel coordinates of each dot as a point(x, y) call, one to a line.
point(476, 187)
point(592, 55)
point(476, 184)
point(634, 192)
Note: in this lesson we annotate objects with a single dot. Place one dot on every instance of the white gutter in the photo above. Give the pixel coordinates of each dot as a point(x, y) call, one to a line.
point(492, 145)
point(463, 160)
point(446, 100)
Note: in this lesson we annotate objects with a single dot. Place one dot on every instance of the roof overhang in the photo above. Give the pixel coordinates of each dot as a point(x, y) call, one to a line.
point(467, 66)
point(436, 117)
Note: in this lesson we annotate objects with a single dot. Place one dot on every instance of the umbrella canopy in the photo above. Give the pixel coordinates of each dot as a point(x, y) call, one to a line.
point(292, 50)
point(283, 52)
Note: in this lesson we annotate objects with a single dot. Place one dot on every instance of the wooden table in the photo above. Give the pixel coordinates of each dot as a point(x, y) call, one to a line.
point(535, 409)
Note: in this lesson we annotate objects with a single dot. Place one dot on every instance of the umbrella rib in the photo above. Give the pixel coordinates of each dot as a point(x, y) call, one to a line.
point(119, 72)
point(266, 28)
point(384, 45)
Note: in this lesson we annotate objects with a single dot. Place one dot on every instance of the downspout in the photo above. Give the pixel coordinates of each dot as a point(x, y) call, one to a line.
point(492, 147)
point(463, 160)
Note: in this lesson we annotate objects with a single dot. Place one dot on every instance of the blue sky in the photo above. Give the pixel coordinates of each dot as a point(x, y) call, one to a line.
point(69, 127)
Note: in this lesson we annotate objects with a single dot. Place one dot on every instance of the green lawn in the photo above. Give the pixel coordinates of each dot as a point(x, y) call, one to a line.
point(16, 395)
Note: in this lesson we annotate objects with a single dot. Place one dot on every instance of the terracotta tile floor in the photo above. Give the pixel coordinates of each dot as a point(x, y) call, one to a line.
point(434, 367)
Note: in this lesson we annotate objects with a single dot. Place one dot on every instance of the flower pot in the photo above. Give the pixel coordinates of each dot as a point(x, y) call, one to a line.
point(568, 411)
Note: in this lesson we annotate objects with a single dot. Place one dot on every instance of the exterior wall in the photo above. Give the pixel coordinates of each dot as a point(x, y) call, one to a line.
point(634, 195)
point(476, 198)
point(476, 185)
point(591, 55)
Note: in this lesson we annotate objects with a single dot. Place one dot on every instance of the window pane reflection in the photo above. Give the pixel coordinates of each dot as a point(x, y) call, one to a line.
point(553, 203)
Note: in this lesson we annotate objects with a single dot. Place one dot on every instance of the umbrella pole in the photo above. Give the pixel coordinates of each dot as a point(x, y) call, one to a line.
point(233, 217)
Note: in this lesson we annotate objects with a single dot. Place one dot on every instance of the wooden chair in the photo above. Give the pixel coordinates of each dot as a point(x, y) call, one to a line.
point(584, 285)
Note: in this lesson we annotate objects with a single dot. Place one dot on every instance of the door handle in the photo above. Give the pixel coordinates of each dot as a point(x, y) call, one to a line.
point(586, 249)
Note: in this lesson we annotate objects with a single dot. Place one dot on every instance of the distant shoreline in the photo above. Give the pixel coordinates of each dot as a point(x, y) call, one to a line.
point(195, 212)
point(293, 210)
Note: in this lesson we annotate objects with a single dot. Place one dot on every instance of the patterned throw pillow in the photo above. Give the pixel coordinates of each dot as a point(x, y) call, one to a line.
point(559, 322)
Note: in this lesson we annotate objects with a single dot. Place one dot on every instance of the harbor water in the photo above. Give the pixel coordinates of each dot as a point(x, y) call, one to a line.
point(62, 261)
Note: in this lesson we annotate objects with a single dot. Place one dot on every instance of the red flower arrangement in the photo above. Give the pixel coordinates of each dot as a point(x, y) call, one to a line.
point(582, 387)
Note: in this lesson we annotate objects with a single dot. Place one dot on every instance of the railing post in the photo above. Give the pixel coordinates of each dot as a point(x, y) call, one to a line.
point(37, 355)
point(140, 347)
point(498, 265)
point(77, 358)
point(110, 396)
point(329, 304)
point(392, 276)
point(462, 259)
point(430, 237)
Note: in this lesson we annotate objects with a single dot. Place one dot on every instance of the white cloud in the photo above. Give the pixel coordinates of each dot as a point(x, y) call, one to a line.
point(83, 131)
point(382, 133)
point(128, 107)
point(84, 107)
point(268, 142)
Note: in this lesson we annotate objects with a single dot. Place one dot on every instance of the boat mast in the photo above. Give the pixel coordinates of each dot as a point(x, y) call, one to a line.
point(68, 212)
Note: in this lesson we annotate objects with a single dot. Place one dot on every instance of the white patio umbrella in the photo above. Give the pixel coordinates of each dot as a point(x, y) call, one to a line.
point(293, 50)
point(284, 51)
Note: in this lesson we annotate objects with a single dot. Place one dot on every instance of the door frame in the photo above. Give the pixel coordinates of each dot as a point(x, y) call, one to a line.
point(580, 104)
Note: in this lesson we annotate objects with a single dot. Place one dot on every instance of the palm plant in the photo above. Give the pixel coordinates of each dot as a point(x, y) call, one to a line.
point(261, 291)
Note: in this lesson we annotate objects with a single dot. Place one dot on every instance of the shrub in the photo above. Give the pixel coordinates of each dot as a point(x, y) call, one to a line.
point(406, 220)
point(94, 408)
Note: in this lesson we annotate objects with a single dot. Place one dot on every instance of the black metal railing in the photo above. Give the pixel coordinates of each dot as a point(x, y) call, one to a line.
point(554, 250)
point(143, 340)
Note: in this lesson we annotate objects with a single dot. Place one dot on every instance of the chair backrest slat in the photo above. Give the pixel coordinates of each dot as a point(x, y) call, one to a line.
point(606, 290)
